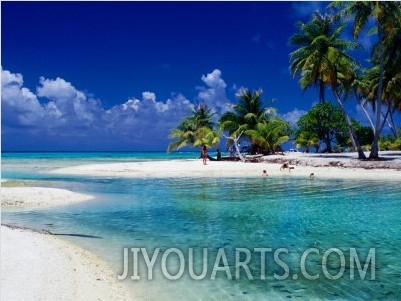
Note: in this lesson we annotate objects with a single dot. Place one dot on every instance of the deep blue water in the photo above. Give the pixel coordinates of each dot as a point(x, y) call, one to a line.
point(290, 213)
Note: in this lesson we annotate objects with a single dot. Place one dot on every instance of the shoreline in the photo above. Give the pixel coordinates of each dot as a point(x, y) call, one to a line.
point(335, 166)
point(37, 265)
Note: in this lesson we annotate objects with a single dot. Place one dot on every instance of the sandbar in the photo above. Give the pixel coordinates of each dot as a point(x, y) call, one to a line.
point(338, 166)
point(39, 196)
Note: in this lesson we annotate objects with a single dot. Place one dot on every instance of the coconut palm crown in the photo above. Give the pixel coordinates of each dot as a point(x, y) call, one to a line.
point(195, 130)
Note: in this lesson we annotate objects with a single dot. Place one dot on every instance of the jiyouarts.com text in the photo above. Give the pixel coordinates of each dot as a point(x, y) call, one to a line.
point(256, 263)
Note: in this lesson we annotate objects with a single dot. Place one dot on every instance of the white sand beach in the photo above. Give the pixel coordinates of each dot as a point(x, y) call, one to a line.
point(39, 266)
point(36, 266)
point(39, 196)
point(344, 166)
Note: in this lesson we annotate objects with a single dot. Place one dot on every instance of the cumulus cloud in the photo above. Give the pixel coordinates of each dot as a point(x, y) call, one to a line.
point(214, 80)
point(293, 116)
point(214, 94)
point(57, 110)
point(57, 89)
point(18, 101)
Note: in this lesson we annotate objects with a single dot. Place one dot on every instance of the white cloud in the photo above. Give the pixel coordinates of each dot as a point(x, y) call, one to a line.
point(214, 94)
point(18, 101)
point(214, 80)
point(68, 106)
point(52, 110)
point(149, 96)
point(59, 113)
point(64, 110)
point(130, 104)
point(8, 78)
point(293, 116)
point(57, 89)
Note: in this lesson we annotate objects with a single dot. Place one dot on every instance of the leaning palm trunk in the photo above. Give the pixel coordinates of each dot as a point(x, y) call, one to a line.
point(393, 125)
point(351, 130)
point(241, 157)
point(235, 139)
point(374, 152)
point(366, 114)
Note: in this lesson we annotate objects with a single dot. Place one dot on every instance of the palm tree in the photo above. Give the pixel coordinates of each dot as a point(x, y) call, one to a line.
point(307, 140)
point(248, 111)
point(343, 74)
point(322, 60)
point(271, 134)
point(307, 60)
point(195, 130)
point(393, 71)
point(245, 115)
point(207, 136)
point(387, 17)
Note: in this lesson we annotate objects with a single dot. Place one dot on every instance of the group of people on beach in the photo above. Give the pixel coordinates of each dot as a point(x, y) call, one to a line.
point(284, 166)
point(205, 155)
point(264, 172)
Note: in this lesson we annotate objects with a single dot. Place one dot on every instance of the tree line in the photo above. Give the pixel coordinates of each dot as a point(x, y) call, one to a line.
point(322, 60)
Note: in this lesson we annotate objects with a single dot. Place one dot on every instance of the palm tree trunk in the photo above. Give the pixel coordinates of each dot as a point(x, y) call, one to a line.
point(393, 124)
point(367, 115)
point(351, 130)
point(235, 139)
point(321, 91)
point(374, 152)
point(384, 119)
point(241, 157)
point(329, 149)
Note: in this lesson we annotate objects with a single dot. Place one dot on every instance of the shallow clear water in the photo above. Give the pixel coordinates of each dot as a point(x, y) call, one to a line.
point(291, 213)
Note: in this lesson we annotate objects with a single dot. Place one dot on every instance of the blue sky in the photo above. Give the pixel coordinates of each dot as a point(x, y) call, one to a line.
point(119, 75)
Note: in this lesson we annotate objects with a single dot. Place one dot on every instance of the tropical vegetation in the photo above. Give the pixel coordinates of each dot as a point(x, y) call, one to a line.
point(323, 124)
point(385, 56)
point(323, 58)
point(250, 121)
point(197, 130)
point(255, 122)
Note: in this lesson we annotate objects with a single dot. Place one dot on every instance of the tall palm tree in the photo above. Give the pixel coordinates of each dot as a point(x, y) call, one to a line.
point(195, 130)
point(367, 86)
point(322, 60)
point(311, 39)
point(343, 74)
point(387, 17)
point(393, 70)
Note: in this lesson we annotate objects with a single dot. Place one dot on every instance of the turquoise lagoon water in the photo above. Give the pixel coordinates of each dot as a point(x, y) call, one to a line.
point(287, 212)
